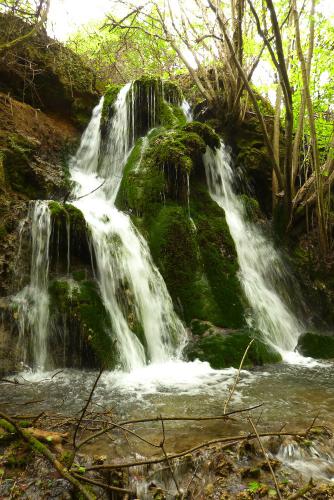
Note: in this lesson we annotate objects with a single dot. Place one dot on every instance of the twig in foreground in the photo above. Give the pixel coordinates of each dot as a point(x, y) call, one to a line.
point(236, 380)
point(266, 458)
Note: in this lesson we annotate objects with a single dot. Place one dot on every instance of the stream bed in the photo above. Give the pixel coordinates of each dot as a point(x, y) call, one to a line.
point(289, 395)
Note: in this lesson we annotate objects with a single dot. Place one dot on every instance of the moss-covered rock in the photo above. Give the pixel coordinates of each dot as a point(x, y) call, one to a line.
point(218, 256)
point(223, 349)
point(206, 132)
point(59, 80)
point(152, 103)
point(142, 185)
point(110, 96)
point(316, 345)
point(251, 206)
point(161, 172)
point(78, 308)
point(173, 242)
point(164, 189)
point(69, 237)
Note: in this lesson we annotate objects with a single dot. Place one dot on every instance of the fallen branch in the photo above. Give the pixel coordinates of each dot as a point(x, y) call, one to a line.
point(40, 448)
point(162, 446)
point(231, 440)
point(103, 485)
point(158, 419)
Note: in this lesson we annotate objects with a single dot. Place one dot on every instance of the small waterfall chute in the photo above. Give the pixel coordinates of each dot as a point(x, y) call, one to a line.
point(32, 301)
point(122, 255)
point(261, 267)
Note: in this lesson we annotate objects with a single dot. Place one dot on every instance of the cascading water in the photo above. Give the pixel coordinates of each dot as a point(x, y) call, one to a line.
point(260, 265)
point(33, 301)
point(122, 256)
point(185, 106)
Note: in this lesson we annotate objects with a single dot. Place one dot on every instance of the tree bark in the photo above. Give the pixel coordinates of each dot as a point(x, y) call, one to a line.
point(314, 141)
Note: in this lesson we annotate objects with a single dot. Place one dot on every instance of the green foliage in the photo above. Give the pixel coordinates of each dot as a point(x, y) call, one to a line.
point(123, 55)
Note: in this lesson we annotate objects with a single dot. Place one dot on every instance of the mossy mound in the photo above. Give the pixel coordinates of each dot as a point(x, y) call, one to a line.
point(152, 102)
point(252, 209)
point(78, 308)
point(174, 246)
point(142, 186)
point(161, 171)
point(206, 132)
point(110, 96)
point(316, 346)
point(69, 237)
point(224, 349)
point(164, 189)
point(218, 255)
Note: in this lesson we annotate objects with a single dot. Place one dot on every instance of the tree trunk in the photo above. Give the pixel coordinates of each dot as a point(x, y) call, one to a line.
point(314, 141)
point(300, 124)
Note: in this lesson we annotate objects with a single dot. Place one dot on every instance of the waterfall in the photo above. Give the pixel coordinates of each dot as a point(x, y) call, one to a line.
point(185, 106)
point(33, 300)
point(123, 260)
point(261, 269)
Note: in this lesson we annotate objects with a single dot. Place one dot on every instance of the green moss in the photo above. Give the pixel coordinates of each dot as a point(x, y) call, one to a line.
point(218, 256)
point(205, 132)
point(316, 346)
point(7, 426)
point(251, 208)
point(67, 458)
point(199, 265)
point(174, 248)
point(142, 185)
point(84, 306)
point(62, 213)
point(110, 96)
point(79, 275)
point(227, 349)
point(175, 149)
point(171, 116)
point(171, 92)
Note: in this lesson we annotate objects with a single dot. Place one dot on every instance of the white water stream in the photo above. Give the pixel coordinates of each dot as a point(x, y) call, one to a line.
point(33, 300)
point(122, 256)
point(261, 270)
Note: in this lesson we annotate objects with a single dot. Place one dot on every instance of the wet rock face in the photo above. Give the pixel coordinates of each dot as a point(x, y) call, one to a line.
point(45, 74)
point(33, 148)
point(8, 340)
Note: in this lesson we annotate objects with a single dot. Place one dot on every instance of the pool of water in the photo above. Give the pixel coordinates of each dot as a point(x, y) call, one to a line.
point(290, 395)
